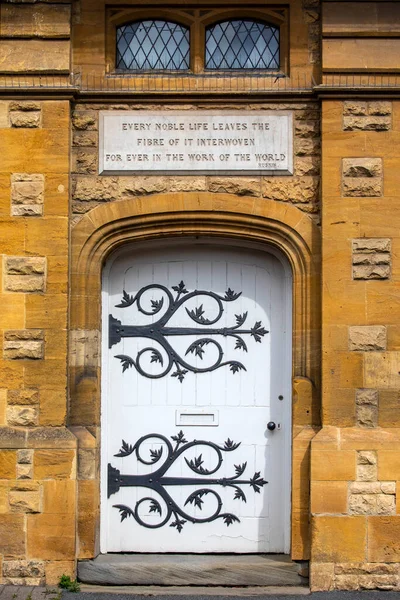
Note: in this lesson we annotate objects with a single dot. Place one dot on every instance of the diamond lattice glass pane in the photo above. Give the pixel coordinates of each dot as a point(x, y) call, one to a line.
point(242, 44)
point(153, 45)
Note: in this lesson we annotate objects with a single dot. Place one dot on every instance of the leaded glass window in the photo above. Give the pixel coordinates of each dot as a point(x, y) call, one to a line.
point(152, 45)
point(242, 44)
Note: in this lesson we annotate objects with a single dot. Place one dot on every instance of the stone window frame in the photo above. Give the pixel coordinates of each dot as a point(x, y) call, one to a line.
point(197, 20)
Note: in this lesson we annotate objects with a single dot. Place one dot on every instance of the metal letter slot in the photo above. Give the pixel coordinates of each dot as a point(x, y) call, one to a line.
point(205, 418)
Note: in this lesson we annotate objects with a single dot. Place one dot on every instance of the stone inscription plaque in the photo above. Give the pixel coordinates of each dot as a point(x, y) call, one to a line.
point(188, 142)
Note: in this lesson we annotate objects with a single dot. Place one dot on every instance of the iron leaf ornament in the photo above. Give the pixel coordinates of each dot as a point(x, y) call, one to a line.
point(158, 482)
point(159, 331)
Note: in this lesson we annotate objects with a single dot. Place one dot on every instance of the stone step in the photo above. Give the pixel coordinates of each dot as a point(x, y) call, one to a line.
point(190, 569)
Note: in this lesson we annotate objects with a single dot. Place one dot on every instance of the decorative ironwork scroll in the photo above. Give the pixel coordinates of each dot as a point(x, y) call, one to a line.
point(158, 481)
point(159, 331)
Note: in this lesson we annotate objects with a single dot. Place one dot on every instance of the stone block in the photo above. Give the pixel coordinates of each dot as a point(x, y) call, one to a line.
point(142, 185)
point(84, 348)
point(371, 272)
point(54, 570)
point(386, 504)
point(384, 539)
point(35, 56)
point(23, 568)
point(86, 463)
point(354, 107)
point(41, 20)
point(362, 167)
point(23, 397)
point(346, 582)
point(22, 416)
point(8, 461)
point(25, 120)
point(12, 527)
point(368, 123)
point(54, 464)
point(24, 502)
point(321, 577)
point(50, 437)
point(84, 138)
point(25, 105)
point(50, 537)
point(307, 166)
point(380, 107)
point(188, 184)
point(367, 397)
point(338, 539)
point(367, 415)
point(27, 194)
point(85, 120)
point(367, 338)
point(59, 497)
point(371, 258)
point(329, 497)
point(23, 274)
point(332, 465)
point(23, 344)
point(363, 504)
point(291, 189)
point(240, 186)
point(24, 471)
point(85, 162)
point(95, 188)
point(371, 187)
point(24, 457)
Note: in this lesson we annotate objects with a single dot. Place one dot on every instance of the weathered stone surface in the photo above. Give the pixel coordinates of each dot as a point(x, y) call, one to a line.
point(50, 437)
point(86, 463)
point(35, 56)
point(85, 120)
point(354, 107)
point(25, 396)
point(307, 129)
point(378, 582)
point(362, 187)
point(306, 147)
point(240, 186)
point(367, 338)
point(96, 188)
point(27, 189)
point(367, 396)
point(24, 457)
point(380, 107)
point(19, 350)
point(22, 416)
point(366, 457)
point(43, 20)
point(50, 537)
point(24, 471)
point(346, 582)
point(362, 167)
point(85, 162)
point(370, 123)
point(142, 185)
point(25, 502)
point(321, 577)
point(12, 438)
point(25, 105)
point(309, 166)
point(84, 348)
point(84, 138)
point(188, 184)
point(25, 274)
point(26, 210)
point(27, 120)
point(24, 343)
point(371, 245)
point(23, 568)
point(186, 569)
point(386, 504)
point(367, 416)
point(293, 189)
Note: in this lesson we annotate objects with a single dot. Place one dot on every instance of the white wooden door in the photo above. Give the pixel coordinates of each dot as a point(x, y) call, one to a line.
point(196, 363)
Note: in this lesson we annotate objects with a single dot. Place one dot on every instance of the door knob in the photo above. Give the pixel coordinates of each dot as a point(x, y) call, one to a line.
point(271, 426)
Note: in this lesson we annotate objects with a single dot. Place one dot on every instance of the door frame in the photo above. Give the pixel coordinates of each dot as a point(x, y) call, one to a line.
point(217, 243)
point(248, 220)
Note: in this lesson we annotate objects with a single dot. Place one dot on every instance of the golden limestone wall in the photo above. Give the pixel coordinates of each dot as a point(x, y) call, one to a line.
point(37, 452)
point(355, 458)
point(302, 190)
